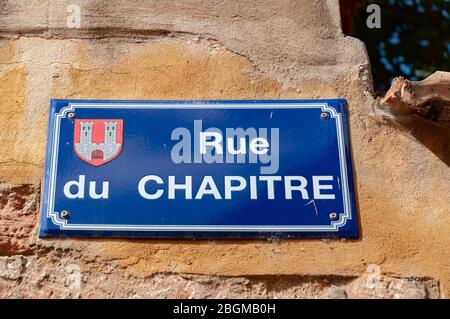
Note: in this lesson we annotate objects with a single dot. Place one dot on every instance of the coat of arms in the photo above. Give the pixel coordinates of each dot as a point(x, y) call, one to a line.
point(98, 141)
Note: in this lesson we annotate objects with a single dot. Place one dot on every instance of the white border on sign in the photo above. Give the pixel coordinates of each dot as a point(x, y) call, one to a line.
point(333, 227)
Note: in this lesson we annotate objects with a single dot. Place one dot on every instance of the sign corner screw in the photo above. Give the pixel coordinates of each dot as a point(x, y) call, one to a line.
point(71, 115)
point(333, 216)
point(65, 214)
point(323, 115)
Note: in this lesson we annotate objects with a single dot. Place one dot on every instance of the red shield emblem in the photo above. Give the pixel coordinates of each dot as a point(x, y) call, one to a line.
point(98, 141)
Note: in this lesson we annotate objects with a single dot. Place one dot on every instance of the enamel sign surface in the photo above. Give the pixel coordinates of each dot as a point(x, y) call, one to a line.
point(198, 169)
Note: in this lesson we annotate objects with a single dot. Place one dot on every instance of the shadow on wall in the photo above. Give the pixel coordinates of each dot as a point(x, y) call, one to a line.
point(434, 136)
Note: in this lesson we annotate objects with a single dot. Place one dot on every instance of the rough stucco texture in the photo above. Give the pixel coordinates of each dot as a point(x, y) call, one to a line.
point(213, 50)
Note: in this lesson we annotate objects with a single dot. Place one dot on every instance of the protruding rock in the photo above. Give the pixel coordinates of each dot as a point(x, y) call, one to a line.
point(429, 98)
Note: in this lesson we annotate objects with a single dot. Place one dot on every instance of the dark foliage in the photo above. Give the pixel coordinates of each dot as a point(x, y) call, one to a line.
point(413, 41)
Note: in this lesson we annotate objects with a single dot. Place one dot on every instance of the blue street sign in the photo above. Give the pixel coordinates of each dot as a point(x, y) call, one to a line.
point(199, 169)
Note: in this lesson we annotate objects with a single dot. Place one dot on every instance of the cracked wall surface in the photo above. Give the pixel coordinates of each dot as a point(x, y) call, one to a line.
point(213, 50)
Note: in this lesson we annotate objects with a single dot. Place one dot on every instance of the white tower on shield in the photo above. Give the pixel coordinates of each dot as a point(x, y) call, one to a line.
point(86, 132)
point(110, 132)
point(110, 148)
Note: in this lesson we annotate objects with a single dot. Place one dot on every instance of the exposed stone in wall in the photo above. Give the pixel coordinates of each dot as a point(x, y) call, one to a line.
point(18, 218)
point(60, 275)
point(213, 50)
